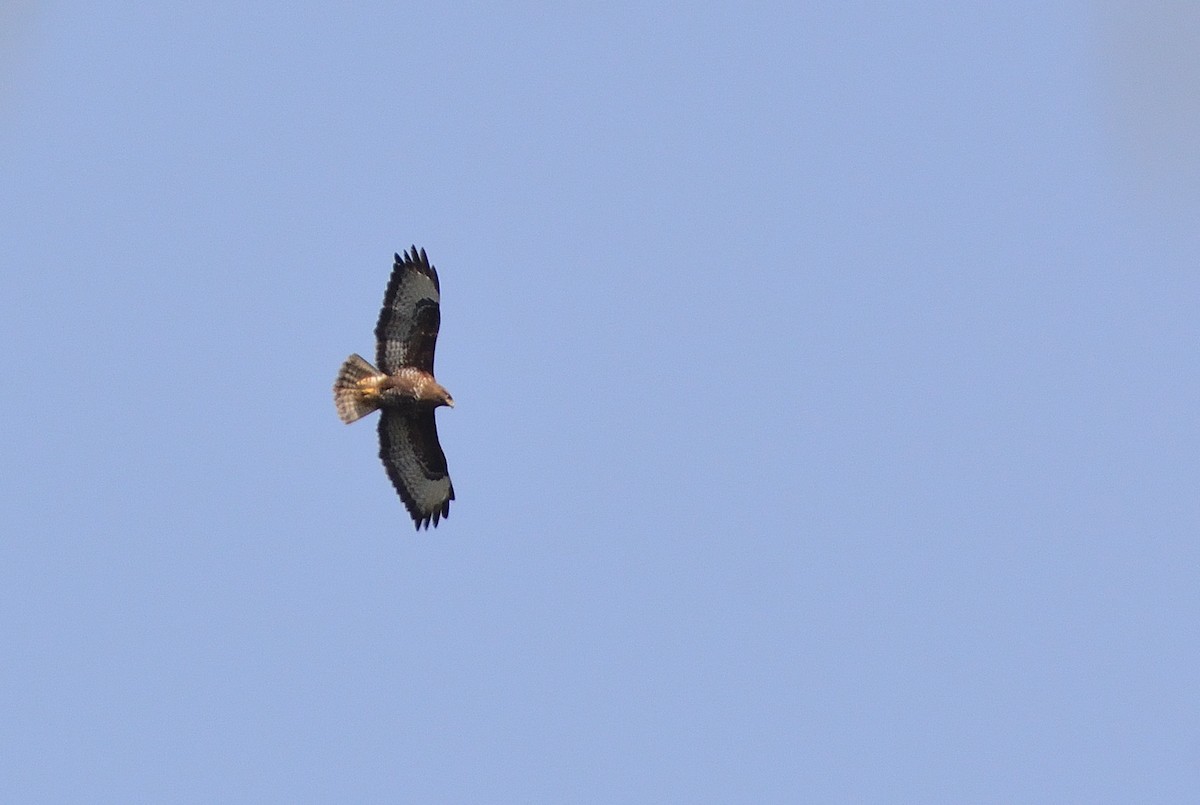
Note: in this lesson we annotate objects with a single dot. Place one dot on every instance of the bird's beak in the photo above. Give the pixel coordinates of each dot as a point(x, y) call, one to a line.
point(450, 401)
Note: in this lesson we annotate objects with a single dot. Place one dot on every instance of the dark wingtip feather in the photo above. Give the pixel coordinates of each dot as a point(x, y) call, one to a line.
point(412, 256)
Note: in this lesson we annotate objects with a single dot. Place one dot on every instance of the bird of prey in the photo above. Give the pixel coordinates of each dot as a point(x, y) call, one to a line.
point(404, 390)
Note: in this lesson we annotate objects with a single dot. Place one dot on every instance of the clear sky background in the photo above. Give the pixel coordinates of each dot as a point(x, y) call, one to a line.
point(827, 380)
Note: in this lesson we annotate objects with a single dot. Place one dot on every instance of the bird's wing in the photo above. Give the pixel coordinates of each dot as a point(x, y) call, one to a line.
point(408, 323)
point(409, 448)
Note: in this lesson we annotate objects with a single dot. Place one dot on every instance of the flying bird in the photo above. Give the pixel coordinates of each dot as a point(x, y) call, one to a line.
point(404, 390)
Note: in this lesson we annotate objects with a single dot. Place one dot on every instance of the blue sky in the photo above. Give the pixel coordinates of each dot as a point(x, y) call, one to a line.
point(826, 385)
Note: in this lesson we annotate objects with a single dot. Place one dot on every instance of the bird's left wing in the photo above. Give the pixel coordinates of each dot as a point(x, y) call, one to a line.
point(415, 463)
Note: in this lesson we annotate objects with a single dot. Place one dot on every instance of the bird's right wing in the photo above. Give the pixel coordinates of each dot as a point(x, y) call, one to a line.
point(408, 323)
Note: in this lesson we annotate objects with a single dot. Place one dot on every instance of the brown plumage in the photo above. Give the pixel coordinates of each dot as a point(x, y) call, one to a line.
point(404, 389)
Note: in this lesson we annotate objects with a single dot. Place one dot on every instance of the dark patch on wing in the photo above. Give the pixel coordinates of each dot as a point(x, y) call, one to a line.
point(422, 339)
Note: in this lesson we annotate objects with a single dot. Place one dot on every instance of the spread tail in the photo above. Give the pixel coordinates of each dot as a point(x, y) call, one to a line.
point(354, 398)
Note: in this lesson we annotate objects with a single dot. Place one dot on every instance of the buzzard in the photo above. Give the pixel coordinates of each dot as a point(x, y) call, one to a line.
point(404, 390)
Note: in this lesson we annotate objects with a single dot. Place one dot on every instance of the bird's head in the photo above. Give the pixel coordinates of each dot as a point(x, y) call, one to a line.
point(429, 392)
point(442, 397)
